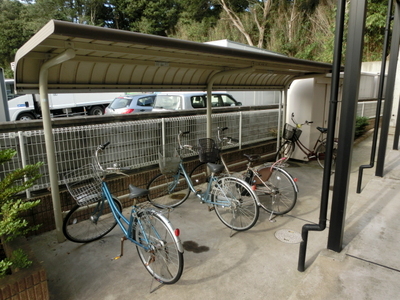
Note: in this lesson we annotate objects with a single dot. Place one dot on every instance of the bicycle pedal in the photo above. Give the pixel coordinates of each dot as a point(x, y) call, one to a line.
point(211, 208)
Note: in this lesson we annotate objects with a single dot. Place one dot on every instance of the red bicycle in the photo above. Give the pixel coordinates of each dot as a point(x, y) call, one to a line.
point(291, 135)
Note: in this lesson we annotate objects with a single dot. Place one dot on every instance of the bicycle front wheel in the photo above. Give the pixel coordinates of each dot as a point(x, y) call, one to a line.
point(168, 190)
point(321, 151)
point(286, 150)
point(235, 203)
point(88, 223)
point(277, 194)
point(161, 251)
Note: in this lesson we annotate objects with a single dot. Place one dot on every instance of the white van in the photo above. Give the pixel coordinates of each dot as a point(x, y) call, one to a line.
point(191, 100)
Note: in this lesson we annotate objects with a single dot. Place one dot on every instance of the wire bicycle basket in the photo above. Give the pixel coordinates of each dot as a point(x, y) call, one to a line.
point(290, 131)
point(208, 150)
point(168, 160)
point(84, 184)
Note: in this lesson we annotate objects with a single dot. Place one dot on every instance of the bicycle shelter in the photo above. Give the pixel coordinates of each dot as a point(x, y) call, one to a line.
point(65, 57)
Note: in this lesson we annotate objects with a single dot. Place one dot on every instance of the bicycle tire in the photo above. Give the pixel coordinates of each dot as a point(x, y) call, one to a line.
point(320, 154)
point(164, 257)
point(84, 224)
point(286, 150)
point(167, 191)
point(243, 211)
point(280, 195)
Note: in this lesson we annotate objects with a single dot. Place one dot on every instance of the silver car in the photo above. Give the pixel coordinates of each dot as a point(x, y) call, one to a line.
point(131, 104)
point(192, 100)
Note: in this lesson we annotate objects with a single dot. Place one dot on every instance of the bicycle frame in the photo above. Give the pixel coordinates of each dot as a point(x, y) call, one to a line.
point(310, 153)
point(119, 216)
point(204, 197)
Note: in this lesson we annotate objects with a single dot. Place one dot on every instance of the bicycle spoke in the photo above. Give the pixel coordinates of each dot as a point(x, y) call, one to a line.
point(241, 212)
point(159, 253)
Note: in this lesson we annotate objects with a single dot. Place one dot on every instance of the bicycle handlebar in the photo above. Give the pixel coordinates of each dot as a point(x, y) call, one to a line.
point(298, 125)
point(229, 140)
point(181, 147)
point(115, 168)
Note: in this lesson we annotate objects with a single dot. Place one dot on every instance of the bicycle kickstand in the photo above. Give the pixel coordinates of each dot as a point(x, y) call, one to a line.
point(123, 239)
point(272, 217)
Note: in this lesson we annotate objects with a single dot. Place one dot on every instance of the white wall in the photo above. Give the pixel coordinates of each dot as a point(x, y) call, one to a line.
point(376, 67)
point(251, 98)
point(308, 100)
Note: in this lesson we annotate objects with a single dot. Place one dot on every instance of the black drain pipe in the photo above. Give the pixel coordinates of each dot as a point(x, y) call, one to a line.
point(379, 104)
point(337, 55)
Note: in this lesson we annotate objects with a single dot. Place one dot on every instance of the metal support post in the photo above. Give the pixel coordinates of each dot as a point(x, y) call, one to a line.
point(4, 113)
point(379, 103)
point(48, 134)
point(390, 83)
point(351, 82)
point(341, 7)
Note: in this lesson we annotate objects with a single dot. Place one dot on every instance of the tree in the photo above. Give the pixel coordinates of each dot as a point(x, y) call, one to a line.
point(157, 17)
point(12, 224)
point(240, 11)
point(14, 32)
point(375, 29)
point(197, 19)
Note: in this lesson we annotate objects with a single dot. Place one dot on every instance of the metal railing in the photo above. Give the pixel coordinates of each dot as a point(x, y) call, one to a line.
point(133, 143)
point(367, 108)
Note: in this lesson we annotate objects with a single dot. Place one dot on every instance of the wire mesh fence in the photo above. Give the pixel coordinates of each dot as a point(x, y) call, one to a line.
point(133, 144)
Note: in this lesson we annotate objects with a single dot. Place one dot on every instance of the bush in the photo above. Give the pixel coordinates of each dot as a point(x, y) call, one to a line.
point(361, 125)
point(12, 224)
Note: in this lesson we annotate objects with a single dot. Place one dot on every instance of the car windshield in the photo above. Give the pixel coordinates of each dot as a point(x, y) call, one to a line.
point(167, 101)
point(120, 102)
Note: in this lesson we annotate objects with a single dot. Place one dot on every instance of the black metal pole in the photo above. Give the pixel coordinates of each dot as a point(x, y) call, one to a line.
point(390, 83)
point(379, 102)
point(330, 136)
point(351, 82)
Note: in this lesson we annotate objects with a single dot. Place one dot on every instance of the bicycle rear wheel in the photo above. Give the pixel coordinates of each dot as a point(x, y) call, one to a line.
point(162, 254)
point(277, 194)
point(88, 223)
point(286, 150)
point(320, 154)
point(235, 203)
point(199, 174)
point(168, 190)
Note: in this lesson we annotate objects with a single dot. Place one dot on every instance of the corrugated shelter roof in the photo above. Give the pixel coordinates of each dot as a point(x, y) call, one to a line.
point(115, 60)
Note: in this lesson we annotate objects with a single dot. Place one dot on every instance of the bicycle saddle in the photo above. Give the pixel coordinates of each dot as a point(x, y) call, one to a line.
point(215, 168)
point(136, 192)
point(323, 130)
point(252, 157)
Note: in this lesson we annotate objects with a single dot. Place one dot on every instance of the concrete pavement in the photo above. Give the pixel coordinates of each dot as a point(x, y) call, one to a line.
point(255, 264)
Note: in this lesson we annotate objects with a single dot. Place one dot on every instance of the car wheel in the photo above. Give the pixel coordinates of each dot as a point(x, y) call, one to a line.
point(26, 117)
point(96, 111)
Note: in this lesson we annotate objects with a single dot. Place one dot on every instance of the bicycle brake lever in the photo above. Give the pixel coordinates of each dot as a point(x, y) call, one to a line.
point(102, 147)
point(232, 140)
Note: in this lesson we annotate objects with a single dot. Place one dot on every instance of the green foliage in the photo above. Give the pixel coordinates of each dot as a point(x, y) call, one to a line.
point(157, 17)
point(5, 266)
point(361, 124)
point(12, 224)
point(18, 259)
point(303, 29)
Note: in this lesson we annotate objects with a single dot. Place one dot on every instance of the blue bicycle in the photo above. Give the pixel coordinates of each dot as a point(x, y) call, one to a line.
point(233, 200)
point(157, 243)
